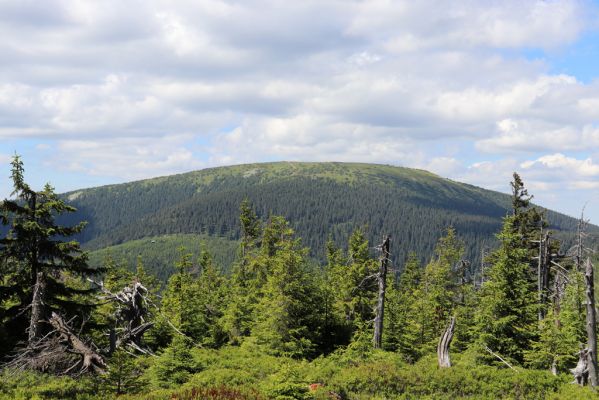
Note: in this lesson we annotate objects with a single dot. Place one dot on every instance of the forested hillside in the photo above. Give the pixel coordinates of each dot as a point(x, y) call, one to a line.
point(320, 200)
point(160, 253)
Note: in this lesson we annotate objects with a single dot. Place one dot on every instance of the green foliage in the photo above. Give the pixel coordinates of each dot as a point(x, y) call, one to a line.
point(123, 376)
point(562, 331)
point(37, 251)
point(507, 317)
point(289, 309)
point(19, 385)
point(175, 365)
point(243, 373)
point(159, 253)
point(437, 292)
point(401, 319)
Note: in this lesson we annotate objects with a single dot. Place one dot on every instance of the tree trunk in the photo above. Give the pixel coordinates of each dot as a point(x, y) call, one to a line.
point(443, 346)
point(377, 339)
point(37, 309)
point(591, 323)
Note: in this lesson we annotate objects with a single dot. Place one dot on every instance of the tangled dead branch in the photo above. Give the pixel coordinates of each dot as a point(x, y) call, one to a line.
point(60, 352)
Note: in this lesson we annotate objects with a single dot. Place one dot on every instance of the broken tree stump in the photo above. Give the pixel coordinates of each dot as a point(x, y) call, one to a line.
point(581, 371)
point(443, 346)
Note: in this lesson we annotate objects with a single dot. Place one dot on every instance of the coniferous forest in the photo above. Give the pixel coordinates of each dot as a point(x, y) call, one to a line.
point(294, 318)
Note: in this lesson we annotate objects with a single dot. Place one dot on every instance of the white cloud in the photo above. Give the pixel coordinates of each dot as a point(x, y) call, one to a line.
point(567, 166)
point(126, 158)
point(133, 90)
point(506, 24)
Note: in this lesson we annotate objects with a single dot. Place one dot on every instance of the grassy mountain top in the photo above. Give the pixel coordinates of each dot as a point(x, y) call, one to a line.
point(416, 181)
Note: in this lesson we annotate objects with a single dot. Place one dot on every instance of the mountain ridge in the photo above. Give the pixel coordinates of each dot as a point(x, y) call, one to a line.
point(321, 200)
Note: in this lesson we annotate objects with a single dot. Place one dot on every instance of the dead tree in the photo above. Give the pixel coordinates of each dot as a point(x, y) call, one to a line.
point(579, 250)
point(129, 317)
point(581, 371)
point(377, 339)
point(443, 346)
point(591, 323)
point(61, 351)
point(543, 269)
point(89, 360)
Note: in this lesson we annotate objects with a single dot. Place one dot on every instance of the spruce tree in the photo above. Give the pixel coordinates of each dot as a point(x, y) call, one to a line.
point(45, 270)
point(336, 329)
point(402, 330)
point(356, 287)
point(507, 317)
point(288, 315)
point(238, 313)
point(562, 331)
point(179, 301)
point(211, 293)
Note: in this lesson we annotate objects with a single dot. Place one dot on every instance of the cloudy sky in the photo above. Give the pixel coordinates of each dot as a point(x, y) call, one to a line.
point(96, 92)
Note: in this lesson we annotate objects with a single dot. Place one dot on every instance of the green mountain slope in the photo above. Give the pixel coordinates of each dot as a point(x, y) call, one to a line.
point(160, 253)
point(320, 200)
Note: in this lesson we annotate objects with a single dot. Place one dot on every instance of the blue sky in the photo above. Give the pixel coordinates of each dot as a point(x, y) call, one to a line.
point(103, 92)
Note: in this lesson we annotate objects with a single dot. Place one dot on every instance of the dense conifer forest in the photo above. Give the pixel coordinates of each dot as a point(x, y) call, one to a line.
point(353, 300)
point(321, 201)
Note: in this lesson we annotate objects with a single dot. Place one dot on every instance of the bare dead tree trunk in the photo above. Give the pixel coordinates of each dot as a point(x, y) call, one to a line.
point(539, 273)
point(580, 250)
point(443, 346)
point(37, 308)
point(543, 268)
point(580, 241)
point(377, 339)
point(591, 323)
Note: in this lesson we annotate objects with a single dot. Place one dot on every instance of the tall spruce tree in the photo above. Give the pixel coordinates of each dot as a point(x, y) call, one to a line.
point(402, 332)
point(289, 313)
point(242, 297)
point(506, 321)
point(45, 270)
point(356, 287)
point(212, 297)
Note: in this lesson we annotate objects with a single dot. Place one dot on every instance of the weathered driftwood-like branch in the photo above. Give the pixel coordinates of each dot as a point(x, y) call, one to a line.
point(443, 346)
point(500, 358)
point(90, 360)
point(581, 371)
point(129, 316)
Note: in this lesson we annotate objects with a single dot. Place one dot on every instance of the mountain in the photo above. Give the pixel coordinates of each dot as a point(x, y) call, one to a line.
point(320, 199)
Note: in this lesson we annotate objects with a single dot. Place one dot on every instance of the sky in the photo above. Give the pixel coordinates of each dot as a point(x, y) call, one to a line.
point(99, 92)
